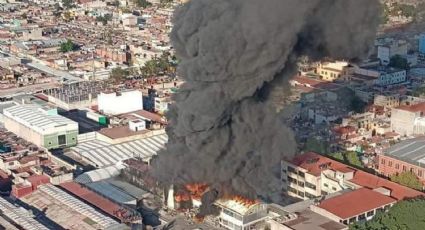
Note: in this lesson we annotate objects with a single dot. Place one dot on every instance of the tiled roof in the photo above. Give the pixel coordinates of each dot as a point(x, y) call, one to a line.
point(314, 164)
point(355, 203)
point(413, 108)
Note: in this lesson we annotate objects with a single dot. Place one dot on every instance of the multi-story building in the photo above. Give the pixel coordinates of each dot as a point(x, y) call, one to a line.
point(387, 100)
point(406, 156)
point(330, 71)
point(120, 102)
point(408, 119)
point(41, 126)
point(311, 175)
point(391, 76)
point(237, 215)
point(388, 48)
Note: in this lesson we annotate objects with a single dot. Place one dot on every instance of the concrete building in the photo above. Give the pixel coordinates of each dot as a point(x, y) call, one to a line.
point(120, 102)
point(391, 76)
point(330, 71)
point(406, 156)
point(239, 215)
point(408, 119)
point(389, 48)
point(311, 175)
point(422, 44)
point(387, 100)
point(41, 126)
point(359, 205)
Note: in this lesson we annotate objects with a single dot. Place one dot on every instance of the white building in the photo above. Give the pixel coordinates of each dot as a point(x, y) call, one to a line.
point(41, 126)
point(408, 120)
point(391, 76)
point(120, 102)
point(389, 48)
point(237, 215)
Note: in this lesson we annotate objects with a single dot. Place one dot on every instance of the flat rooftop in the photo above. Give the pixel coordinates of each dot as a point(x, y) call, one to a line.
point(412, 150)
point(308, 219)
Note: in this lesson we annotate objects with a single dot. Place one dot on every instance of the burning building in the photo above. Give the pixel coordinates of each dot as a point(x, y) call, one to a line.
point(240, 213)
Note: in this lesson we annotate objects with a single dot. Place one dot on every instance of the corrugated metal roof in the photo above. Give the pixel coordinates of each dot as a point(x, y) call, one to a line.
point(34, 117)
point(78, 205)
point(99, 174)
point(20, 216)
point(102, 154)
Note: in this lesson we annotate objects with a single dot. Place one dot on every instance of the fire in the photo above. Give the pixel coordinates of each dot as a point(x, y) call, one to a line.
point(243, 200)
point(196, 190)
point(182, 197)
point(199, 219)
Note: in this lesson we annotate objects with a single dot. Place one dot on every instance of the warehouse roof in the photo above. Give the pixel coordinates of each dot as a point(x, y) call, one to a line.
point(35, 117)
point(102, 154)
point(412, 150)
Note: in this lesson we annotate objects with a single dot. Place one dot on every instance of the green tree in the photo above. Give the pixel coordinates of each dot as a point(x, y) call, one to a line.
point(118, 75)
point(399, 62)
point(314, 145)
point(68, 46)
point(406, 214)
point(349, 158)
point(407, 179)
point(419, 91)
point(142, 3)
point(104, 19)
point(67, 4)
point(357, 105)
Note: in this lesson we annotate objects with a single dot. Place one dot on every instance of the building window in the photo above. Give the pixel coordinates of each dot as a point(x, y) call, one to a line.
point(382, 161)
point(310, 185)
point(362, 217)
point(352, 220)
point(292, 180)
point(301, 194)
point(324, 193)
point(300, 183)
point(419, 173)
point(397, 166)
point(292, 190)
point(284, 170)
point(326, 185)
point(301, 174)
point(390, 163)
point(50, 143)
point(290, 169)
point(333, 188)
point(283, 180)
point(310, 196)
point(404, 168)
point(369, 214)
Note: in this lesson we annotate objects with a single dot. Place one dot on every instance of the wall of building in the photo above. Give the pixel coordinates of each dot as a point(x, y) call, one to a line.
point(52, 141)
point(402, 121)
point(388, 166)
point(115, 103)
point(23, 131)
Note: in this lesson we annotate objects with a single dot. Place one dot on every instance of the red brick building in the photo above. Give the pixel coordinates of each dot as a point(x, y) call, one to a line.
point(408, 155)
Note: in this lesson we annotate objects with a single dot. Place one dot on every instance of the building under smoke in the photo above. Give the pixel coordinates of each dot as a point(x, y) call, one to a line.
point(236, 57)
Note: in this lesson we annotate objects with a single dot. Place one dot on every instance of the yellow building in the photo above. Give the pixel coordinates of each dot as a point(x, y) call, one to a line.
point(330, 71)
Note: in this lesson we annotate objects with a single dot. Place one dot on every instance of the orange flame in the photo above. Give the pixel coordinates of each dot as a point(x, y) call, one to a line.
point(243, 200)
point(196, 190)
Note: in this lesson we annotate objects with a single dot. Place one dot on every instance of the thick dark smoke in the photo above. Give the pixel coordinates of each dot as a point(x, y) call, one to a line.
point(236, 55)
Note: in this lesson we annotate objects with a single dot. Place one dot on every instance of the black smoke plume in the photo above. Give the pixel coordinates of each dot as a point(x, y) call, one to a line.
point(234, 56)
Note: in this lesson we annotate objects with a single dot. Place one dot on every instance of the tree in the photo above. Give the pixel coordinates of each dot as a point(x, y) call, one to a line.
point(67, 4)
point(118, 75)
point(142, 3)
point(357, 105)
point(68, 46)
point(407, 179)
point(406, 214)
point(314, 145)
point(349, 158)
point(399, 62)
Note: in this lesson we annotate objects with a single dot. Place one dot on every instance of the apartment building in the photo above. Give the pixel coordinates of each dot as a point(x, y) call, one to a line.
point(408, 119)
point(330, 71)
point(311, 175)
